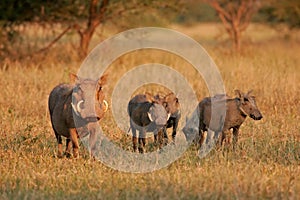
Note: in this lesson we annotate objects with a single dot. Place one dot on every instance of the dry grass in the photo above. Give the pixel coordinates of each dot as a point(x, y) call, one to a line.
point(265, 166)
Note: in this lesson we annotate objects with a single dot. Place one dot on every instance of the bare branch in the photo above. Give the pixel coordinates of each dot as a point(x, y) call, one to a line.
point(216, 5)
point(227, 24)
point(55, 40)
point(101, 13)
point(241, 10)
point(96, 15)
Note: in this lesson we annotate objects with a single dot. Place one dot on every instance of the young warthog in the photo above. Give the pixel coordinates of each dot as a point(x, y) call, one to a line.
point(77, 105)
point(237, 109)
point(191, 128)
point(145, 117)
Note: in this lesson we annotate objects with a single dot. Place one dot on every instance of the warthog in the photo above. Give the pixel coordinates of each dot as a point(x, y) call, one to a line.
point(191, 128)
point(81, 102)
point(145, 117)
point(237, 109)
point(172, 106)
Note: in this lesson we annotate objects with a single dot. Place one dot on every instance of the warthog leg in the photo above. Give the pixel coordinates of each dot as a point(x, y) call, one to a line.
point(202, 137)
point(164, 139)
point(155, 138)
point(175, 126)
point(159, 138)
point(134, 139)
point(226, 135)
point(202, 128)
point(235, 136)
point(93, 139)
point(224, 139)
point(142, 141)
point(74, 139)
point(173, 135)
point(68, 147)
point(59, 141)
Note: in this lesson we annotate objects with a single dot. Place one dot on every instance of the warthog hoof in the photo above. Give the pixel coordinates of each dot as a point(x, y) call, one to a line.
point(60, 155)
point(75, 154)
point(68, 154)
point(141, 150)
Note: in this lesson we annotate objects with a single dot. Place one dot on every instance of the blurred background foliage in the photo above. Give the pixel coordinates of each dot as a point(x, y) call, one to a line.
point(83, 17)
point(20, 11)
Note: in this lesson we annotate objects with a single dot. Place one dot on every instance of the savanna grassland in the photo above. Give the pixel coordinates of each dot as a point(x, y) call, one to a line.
point(266, 164)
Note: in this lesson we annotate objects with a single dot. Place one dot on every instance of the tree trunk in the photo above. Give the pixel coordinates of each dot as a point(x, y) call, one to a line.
point(236, 36)
point(96, 16)
point(85, 39)
point(237, 41)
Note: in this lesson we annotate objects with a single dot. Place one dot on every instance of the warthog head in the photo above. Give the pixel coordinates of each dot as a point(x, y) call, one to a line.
point(191, 128)
point(88, 98)
point(171, 104)
point(158, 114)
point(248, 105)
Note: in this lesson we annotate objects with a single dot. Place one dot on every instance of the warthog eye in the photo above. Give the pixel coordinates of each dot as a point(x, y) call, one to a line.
point(78, 90)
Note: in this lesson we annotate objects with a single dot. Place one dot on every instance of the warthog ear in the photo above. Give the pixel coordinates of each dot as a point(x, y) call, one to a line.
point(249, 92)
point(171, 93)
point(73, 78)
point(149, 97)
point(103, 79)
point(158, 99)
point(240, 95)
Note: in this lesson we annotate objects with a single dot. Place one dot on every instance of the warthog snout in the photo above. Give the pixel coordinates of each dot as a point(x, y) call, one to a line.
point(256, 115)
point(248, 105)
point(158, 115)
point(191, 128)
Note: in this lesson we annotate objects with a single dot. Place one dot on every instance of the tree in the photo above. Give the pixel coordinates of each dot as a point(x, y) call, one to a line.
point(235, 16)
point(287, 11)
point(16, 12)
point(73, 12)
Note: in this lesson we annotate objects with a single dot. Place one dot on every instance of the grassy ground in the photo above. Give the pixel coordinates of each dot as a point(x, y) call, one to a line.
point(265, 166)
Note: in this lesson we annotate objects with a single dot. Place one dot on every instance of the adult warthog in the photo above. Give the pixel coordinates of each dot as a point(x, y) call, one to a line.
point(77, 105)
point(237, 109)
point(172, 106)
point(145, 116)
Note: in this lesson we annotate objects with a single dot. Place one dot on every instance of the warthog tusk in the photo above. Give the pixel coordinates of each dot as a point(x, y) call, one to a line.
point(169, 115)
point(149, 116)
point(243, 111)
point(78, 106)
point(106, 105)
point(74, 109)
